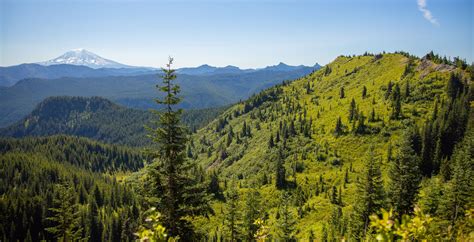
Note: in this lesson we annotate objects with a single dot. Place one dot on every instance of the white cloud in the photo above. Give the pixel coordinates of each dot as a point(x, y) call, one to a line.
point(426, 13)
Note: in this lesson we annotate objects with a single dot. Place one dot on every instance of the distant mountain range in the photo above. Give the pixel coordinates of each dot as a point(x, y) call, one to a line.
point(23, 86)
point(9, 76)
point(83, 63)
point(198, 91)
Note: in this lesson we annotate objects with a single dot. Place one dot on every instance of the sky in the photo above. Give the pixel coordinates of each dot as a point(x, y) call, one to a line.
point(244, 33)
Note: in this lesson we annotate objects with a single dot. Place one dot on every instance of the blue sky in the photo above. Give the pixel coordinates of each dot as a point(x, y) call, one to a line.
point(245, 33)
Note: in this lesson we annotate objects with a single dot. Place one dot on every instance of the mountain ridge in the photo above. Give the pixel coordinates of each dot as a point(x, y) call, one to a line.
point(295, 124)
point(95, 118)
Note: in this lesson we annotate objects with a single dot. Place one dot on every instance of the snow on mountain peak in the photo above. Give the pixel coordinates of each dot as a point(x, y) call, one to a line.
point(83, 57)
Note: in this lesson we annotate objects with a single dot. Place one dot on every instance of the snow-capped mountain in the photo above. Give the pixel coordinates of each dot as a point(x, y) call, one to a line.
point(82, 57)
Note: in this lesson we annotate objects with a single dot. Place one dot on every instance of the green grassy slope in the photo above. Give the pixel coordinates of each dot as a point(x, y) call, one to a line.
point(313, 103)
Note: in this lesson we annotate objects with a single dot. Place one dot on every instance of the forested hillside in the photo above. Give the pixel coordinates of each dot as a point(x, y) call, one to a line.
point(97, 118)
point(57, 185)
point(317, 156)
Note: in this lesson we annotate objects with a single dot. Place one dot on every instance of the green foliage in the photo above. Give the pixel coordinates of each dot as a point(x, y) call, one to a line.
point(80, 152)
point(459, 194)
point(404, 178)
point(182, 194)
point(262, 232)
point(408, 228)
point(286, 220)
point(152, 230)
point(65, 215)
point(396, 103)
point(370, 196)
point(31, 193)
point(252, 213)
point(233, 215)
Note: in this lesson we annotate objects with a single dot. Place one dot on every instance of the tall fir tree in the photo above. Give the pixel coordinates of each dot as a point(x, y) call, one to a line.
point(396, 103)
point(460, 192)
point(370, 196)
point(252, 212)
point(232, 213)
point(428, 145)
point(404, 177)
point(286, 221)
point(182, 195)
point(339, 127)
point(65, 216)
point(336, 224)
point(280, 176)
point(352, 110)
point(95, 225)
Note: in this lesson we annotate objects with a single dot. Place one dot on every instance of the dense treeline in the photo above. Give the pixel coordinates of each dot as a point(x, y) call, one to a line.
point(47, 199)
point(96, 118)
point(80, 152)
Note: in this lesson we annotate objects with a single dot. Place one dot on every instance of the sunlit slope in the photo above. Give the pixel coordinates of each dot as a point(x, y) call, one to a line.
point(303, 114)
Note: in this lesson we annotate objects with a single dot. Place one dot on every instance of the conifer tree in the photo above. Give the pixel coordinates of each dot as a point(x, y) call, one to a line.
point(455, 86)
point(404, 178)
point(214, 185)
point(65, 215)
point(338, 130)
point(342, 93)
point(183, 195)
point(334, 199)
point(460, 192)
point(324, 233)
point(364, 92)
point(396, 103)
point(280, 176)
point(271, 144)
point(370, 196)
point(286, 221)
point(360, 128)
point(252, 212)
point(388, 92)
point(346, 177)
point(232, 213)
point(352, 110)
point(415, 139)
point(336, 225)
point(427, 152)
point(95, 228)
point(372, 116)
point(407, 90)
point(389, 152)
